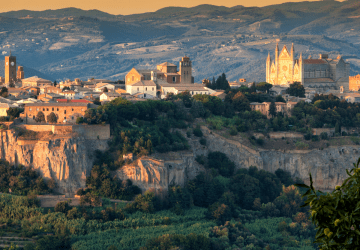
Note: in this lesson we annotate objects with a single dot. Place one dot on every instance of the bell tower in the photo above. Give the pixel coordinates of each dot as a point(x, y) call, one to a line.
point(185, 70)
point(10, 68)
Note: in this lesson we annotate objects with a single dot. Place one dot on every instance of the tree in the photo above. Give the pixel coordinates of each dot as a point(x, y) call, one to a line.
point(264, 86)
point(253, 88)
point(55, 83)
point(279, 98)
point(40, 117)
point(14, 112)
point(105, 89)
point(296, 89)
point(65, 88)
point(336, 215)
point(52, 118)
point(4, 92)
point(272, 109)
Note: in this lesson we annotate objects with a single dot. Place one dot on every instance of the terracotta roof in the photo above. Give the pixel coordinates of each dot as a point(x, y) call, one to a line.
point(315, 61)
point(112, 94)
point(68, 104)
point(101, 84)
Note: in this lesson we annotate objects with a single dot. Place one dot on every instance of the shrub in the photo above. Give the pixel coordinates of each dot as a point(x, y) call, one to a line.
point(260, 141)
point(301, 145)
point(203, 141)
point(200, 159)
point(233, 131)
point(315, 138)
point(197, 132)
point(355, 140)
point(188, 133)
point(40, 117)
point(62, 207)
point(324, 136)
point(344, 133)
point(307, 136)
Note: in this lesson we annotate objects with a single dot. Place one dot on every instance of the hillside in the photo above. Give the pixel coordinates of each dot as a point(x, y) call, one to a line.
point(71, 43)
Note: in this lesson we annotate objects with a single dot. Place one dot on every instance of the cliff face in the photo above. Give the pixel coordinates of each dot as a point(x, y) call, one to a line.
point(67, 160)
point(327, 167)
point(150, 173)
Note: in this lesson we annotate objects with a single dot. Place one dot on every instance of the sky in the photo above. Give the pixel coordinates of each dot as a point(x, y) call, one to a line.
point(125, 7)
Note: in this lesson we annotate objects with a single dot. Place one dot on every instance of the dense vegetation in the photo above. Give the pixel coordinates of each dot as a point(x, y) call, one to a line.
point(22, 180)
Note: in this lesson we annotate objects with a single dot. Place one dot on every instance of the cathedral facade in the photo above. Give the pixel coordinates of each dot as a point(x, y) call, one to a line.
point(322, 73)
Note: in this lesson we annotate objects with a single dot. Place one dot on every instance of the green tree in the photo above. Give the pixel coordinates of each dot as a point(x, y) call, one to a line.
point(52, 118)
point(272, 109)
point(279, 98)
point(253, 88)
point(40, 117)
point(105, 89)
point(336, 215)
point(14, 112)
point(296, 89)
point(264, 87)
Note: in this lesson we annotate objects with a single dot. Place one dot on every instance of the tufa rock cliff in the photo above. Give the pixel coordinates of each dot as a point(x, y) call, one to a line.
point(67, 160)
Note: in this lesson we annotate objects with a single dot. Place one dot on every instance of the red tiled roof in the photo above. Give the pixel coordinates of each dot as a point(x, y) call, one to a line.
point(314, 61)
point(62, 100)
point(80, 100)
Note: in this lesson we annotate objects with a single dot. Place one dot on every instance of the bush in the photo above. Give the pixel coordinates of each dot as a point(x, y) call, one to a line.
point(233, 131)
point(301, 145)
point(52, 118)
point(307, 136)
point(40, 117)
point(355, 140)
point(260, 141)
point(344, 133)
point(200, 159)
point(324, 136)
point(197, 132)
point(315, 138)
point(203, 141)
point(62, 207)
point(188, 133)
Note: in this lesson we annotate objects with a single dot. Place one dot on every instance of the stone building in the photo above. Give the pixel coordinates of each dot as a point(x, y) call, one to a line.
point(354, 83)
point(264, 107)
point(35, 81)
point(166, 72)
point(65, 112)
point(323, 72)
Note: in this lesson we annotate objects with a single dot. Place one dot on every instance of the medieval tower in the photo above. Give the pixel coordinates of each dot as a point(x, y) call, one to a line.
point(10, 68)
point(185, 70)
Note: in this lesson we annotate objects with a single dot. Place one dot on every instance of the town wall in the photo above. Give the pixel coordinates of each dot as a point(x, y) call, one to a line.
point(279, 135)
point(90, 132)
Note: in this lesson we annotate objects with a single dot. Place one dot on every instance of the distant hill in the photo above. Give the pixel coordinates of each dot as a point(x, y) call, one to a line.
point(71, 42)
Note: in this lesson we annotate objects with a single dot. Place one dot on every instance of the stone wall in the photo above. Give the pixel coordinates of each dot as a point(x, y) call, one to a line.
point(279, 135)
point(318, 131)
point(90, 132)
point(93, 132)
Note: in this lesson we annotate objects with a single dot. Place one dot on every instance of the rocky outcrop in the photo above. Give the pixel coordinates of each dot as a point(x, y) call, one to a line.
point(327, 166)
point(67, 160)
point(151, 173)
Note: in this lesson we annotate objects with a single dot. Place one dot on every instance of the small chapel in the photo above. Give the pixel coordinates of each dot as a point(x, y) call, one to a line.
point(323, 73)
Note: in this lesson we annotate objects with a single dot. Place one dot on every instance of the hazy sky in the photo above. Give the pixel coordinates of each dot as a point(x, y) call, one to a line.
point(125, 7)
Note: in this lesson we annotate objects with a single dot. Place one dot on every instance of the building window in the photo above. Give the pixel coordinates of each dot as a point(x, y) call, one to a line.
point(146, 89)
point(43, 109)
point(57, 109)
point(137, 89)
point(72, 109)
point(65, 112)
point(174, 79)
point(47, 109)
point(144, 95)
point(152, 89)
point(72, 118)
point(52, 109)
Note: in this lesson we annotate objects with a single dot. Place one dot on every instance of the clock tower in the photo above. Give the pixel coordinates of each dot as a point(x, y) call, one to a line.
point(10, 68)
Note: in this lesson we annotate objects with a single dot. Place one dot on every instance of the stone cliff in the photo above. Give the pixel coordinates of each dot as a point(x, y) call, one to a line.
point(67, 160)
point(327, 166)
